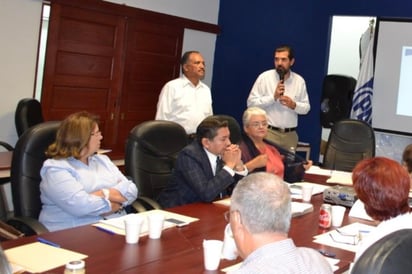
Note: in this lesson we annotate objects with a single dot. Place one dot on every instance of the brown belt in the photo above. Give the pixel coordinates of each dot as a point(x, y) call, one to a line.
point(283, 130)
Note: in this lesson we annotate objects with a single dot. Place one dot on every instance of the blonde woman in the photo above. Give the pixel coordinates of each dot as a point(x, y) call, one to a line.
point(78, 185)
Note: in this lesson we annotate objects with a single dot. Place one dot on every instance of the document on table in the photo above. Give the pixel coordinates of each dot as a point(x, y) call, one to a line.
point(346, 237)
point(358, 211)
point(225, 202)
point(336, 176)
point(296, 189)
point(298, 208)
point(116, 225)
point(318, 171)
point(38, 257)
point(340, 177)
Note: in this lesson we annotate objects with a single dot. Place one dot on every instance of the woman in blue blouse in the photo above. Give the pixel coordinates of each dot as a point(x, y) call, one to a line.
point(78, 185)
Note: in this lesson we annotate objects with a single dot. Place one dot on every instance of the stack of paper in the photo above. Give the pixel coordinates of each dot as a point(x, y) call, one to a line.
point(116, 225)
point(225, 202)
point(39, 257)
point(318, 171)
point(297, 207)
point(340, 177)
point(336, 176)
point(358, 211)
point(296, 189)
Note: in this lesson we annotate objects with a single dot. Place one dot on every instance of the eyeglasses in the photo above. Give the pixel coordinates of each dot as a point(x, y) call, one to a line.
point(97, 133)
point(259, 124)
point(345, 238)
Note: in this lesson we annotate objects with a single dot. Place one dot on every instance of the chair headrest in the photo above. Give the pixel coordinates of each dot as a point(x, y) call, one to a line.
point(391, 254)
point(28, 113)
point(161, 138)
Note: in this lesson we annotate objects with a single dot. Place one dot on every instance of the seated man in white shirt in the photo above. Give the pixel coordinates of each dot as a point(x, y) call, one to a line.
point(186, 100)
point(260, 216)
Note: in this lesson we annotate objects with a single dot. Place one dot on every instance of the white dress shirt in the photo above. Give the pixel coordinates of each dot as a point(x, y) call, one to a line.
point(384, 228)
point(262, 95)
point(182, 102)
point(283, 257)
point(66, 189)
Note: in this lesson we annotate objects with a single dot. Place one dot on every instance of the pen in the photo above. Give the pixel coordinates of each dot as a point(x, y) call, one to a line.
point(47, 242)
point(327, 254)
point(105, 230)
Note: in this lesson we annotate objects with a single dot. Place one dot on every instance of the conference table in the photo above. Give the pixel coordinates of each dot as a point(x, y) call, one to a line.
point(179, 250)
point(5, 163)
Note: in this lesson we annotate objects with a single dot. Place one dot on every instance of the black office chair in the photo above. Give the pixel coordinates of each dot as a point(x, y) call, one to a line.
point(389, 255)
point(151, 151)
point(28, 113)
point(349, 142)
point(234, 127)
point(7, 232)
point(3, 210)
point(336, 102)
point(28, 158)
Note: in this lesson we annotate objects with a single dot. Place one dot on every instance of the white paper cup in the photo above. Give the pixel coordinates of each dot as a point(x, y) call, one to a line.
point(306, 193)
point(156, 221)
point(132, 226)
point(212, 251)
point(337, 215)
point(229, 250)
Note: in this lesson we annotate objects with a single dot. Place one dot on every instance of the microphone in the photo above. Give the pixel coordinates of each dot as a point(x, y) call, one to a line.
point(281, 73)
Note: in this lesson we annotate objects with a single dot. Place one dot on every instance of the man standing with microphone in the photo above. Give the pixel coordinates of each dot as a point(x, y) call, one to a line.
point(282, 94)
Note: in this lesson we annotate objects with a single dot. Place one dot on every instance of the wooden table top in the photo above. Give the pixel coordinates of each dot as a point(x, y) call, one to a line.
point(5, 159)
point(180, 249)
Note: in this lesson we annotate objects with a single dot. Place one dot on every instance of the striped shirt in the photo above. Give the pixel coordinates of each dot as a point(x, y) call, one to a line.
point(283, 257)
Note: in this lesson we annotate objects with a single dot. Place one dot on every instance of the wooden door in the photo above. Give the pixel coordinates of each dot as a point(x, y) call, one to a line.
point(83, 67)
point(152, 58)
point(111, 60)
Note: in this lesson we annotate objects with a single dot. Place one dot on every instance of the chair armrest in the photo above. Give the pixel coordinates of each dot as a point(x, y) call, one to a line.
point(6, 146)
point(144, 204)
point(8, 232)
point(27, 225)
point(137, 207)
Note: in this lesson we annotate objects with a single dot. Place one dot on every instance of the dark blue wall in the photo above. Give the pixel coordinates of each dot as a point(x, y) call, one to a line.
point(250, 30)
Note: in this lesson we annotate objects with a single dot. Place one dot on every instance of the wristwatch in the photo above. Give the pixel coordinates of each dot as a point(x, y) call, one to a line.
point(106, 193)
point(239, 167)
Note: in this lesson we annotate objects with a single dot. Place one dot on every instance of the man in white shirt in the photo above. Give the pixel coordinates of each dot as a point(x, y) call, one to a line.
point(282, 94)
point(186, 100)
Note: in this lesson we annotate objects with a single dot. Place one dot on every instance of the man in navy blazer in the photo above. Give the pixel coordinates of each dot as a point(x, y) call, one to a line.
point(197, 176)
